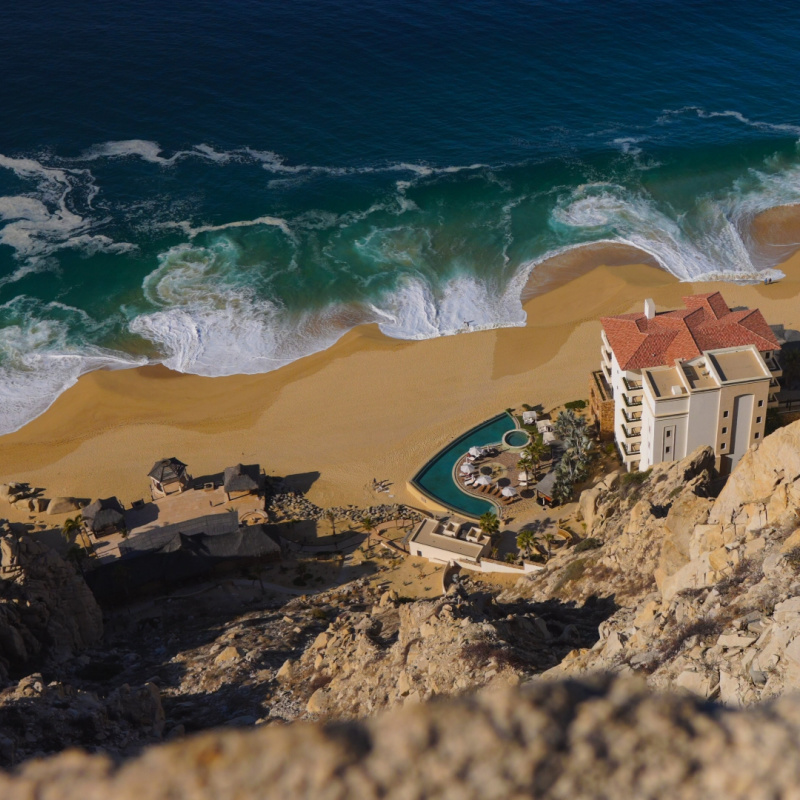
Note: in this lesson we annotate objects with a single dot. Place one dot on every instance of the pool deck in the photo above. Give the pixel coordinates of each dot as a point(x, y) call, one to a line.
point(504, 472)
point(502, 466)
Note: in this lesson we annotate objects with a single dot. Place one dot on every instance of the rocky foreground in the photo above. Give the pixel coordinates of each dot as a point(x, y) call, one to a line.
point(602, 739)
point(680, 584)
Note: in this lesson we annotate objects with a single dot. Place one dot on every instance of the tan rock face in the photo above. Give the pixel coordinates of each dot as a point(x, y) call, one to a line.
point(554, 741)
point(47, 612)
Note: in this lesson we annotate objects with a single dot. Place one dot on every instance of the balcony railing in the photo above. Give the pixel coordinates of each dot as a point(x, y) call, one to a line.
point(632, 402)
point(631, 449)
point(632, 386)
point(631, 433)
point(632, 416)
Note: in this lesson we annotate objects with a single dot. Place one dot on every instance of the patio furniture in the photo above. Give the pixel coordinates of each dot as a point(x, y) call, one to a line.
point(529, 417)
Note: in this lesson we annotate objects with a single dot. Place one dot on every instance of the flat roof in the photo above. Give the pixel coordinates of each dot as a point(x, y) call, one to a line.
point(737, 365)
point(698, 375)
point(662, 379)
point(426, 534)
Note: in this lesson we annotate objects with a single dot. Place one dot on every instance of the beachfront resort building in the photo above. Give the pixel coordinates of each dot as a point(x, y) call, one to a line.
point(669, 382)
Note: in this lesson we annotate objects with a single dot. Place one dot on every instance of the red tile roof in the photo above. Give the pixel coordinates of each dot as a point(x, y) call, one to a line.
point(707, 323)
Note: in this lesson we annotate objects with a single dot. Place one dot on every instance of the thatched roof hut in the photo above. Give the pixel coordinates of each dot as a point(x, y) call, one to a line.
point(167, 470)
point(104, 514)
point(242, 479)
point(169, 475)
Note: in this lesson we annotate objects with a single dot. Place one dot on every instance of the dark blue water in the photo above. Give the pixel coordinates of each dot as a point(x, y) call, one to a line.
point(228, 187)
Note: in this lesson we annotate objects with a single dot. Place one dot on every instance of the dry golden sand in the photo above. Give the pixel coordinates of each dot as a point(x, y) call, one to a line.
point(369, 407)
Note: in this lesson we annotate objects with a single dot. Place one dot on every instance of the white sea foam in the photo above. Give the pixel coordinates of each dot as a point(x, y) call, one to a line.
point(702, 113)
point(151, 151)
point(38, 360)
point(417, 310)
point(711, 245)
point(192, 231)
point(38, 226)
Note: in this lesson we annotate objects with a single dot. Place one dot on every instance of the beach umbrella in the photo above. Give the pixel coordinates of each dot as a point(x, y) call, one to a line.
point(508, 491)
point(467, 469)
point(484, 480)
point(476, 451)
point(523, 476)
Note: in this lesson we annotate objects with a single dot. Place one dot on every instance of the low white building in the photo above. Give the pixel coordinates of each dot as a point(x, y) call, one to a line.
point(721, 403)
point(448, 541)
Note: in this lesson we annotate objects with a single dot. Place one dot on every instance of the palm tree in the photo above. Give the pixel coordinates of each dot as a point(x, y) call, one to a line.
point(489, 523)
point(525, 540)
point(368, 525)
point(535, 452)
point(330, 515)
point(74, 527)
point(548, 538)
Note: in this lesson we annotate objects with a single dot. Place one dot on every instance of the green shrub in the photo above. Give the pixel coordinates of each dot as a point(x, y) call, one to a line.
point(588, 544)
point(575, 404)
point(635, 478)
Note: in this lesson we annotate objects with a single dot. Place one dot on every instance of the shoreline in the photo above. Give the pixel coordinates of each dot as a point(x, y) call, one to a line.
point(368, 406)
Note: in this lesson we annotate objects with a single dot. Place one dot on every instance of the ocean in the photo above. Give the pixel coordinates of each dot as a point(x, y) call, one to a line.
point(227, 187)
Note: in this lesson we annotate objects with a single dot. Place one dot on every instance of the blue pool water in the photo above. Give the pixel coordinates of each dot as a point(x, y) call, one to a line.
point(436, 477)
point(517, 439)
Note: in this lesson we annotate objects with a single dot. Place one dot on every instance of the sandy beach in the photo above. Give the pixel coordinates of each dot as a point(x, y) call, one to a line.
point(369, 407)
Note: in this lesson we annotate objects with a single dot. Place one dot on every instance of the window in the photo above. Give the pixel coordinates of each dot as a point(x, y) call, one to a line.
point(758, 435)
point(723, 446)
point(758, 419)
point(760, 403)
point(669, 433)
point(724, 430)
point(669, 450)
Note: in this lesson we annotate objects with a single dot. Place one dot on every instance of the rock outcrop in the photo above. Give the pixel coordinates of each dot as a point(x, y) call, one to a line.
point(707, 587)
point(38, 718)
point(604, 739)
point(47, 612)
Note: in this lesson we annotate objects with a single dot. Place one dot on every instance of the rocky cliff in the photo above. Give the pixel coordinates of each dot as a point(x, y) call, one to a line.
point(707, 587)
point(47, 612)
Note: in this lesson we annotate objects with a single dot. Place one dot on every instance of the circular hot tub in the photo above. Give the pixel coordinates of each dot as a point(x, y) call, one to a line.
point(516, 439)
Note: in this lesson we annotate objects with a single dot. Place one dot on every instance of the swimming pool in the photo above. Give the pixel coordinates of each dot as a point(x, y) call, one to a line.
point(435, 479)
point(517, 439)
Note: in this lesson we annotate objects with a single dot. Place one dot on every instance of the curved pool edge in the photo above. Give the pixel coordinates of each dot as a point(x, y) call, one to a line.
point(438, 503)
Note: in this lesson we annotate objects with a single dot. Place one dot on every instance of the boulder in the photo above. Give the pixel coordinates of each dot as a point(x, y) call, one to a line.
point(63, 505)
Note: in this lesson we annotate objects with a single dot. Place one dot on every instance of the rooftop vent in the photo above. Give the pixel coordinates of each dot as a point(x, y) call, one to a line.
point(677, 390)
point(649, 308)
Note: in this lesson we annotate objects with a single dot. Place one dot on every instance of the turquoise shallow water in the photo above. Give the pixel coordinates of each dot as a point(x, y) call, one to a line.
point(228, 188)
point(436, 477)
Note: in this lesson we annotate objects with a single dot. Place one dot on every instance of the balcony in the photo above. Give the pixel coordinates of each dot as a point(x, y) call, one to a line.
point(632, 416)
point(632, 402)
point(631, 433)
point(607, 373)
point(772, 401)
point(632, 386)
point(773, 366)
point(631, 449)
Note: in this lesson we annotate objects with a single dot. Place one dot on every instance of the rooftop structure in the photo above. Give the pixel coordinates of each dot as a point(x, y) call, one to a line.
point(242, 479)
point(447, 541)
point(104, 515)
point(647, 339)
point(704, 359)
point(168, 476)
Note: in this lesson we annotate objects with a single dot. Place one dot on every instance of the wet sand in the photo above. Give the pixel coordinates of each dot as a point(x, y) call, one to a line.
point(368, 407)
